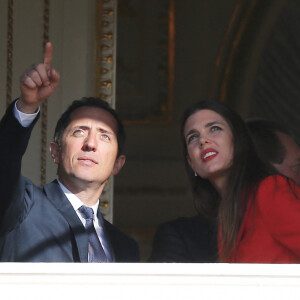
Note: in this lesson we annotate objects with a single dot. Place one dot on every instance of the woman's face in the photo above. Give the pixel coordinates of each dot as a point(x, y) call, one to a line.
point(209, 143)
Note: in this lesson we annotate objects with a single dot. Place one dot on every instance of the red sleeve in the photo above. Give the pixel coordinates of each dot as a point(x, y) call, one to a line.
point(279, 204)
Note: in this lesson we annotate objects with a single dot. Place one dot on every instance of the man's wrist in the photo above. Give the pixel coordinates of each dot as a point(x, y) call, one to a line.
point(25, 107)
point(25, 119)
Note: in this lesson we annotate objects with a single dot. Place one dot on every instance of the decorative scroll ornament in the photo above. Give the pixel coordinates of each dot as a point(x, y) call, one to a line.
point(106, 48)
point(105, 76)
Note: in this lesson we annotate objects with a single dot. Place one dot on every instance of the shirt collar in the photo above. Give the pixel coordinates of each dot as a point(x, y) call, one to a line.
point(75, 201)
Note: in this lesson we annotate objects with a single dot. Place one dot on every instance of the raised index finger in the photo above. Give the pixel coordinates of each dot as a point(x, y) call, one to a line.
point(48, 55)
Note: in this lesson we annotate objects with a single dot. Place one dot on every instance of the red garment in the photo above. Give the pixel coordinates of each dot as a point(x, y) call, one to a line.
point(270, 232)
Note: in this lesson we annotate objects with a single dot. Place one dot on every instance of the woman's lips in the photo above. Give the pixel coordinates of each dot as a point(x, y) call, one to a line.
point(208, 154)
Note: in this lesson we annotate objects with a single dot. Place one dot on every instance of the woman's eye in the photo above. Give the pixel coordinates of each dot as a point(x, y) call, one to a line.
point(215, 128)
point(191, 138)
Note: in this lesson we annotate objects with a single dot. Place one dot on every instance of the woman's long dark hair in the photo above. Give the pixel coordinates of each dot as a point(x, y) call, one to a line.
point(246, 171)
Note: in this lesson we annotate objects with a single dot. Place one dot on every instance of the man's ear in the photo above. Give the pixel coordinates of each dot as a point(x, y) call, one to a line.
point(119, 163)
point(54, 150)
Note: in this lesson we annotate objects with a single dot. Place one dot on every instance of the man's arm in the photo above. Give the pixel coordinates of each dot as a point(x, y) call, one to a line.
point(37, 83)
point(13, 140)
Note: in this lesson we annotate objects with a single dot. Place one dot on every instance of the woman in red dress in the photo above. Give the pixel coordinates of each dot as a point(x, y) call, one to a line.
point(257, 209)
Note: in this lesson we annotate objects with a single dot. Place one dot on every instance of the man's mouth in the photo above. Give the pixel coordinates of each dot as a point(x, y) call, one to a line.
point(88, 160)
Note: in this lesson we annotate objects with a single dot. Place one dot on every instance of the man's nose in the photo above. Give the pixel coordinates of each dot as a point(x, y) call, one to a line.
point(90, 143)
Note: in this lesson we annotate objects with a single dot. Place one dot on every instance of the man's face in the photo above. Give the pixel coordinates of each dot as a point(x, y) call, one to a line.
point(290, 167)
point(89, 147)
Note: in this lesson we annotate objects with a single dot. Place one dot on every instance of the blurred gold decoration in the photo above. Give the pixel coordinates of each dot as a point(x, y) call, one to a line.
point(104, 203)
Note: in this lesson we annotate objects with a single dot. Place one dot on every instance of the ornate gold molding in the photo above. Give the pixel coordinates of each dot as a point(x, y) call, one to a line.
point(9, 62)
point(230, 44)
point(240, 52)
point(105, 50)
point(134, 71)
point(105, 70)
point(234, 49)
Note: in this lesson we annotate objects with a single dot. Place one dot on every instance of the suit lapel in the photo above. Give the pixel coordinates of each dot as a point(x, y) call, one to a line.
point(60, 201)
point(103, 223)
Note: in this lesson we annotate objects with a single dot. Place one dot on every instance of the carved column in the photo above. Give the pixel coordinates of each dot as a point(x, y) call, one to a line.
point(105, 75)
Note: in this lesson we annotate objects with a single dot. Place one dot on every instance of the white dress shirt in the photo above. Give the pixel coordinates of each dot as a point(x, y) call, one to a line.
point(77, 203)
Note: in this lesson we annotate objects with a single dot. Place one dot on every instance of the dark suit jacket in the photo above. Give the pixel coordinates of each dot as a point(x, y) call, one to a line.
point(38, 224)
point(186, 240)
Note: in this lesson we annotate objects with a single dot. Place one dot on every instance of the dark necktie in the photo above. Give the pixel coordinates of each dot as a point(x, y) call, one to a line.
point(98, 254)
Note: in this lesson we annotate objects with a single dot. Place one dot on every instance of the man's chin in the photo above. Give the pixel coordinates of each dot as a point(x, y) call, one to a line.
point(89, 179)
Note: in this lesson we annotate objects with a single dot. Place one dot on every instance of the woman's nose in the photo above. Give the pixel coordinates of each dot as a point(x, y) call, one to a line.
point(204, 140)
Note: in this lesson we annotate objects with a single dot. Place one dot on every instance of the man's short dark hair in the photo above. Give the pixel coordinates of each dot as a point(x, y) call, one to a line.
point(267, 143)
point(65, 119)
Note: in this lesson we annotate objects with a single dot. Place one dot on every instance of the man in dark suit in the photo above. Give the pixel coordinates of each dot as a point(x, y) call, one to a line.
point(186, 240)
point(275, 145)
point(60, 222)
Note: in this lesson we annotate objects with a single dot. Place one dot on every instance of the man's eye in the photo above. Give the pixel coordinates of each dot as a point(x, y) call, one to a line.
point(78, 132)
point(105, 137)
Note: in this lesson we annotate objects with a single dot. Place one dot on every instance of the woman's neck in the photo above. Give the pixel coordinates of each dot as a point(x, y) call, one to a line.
point(220, 185)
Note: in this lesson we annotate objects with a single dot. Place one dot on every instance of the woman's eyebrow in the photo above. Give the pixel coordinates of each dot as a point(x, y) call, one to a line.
point(213, 123)
point(190, 132)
